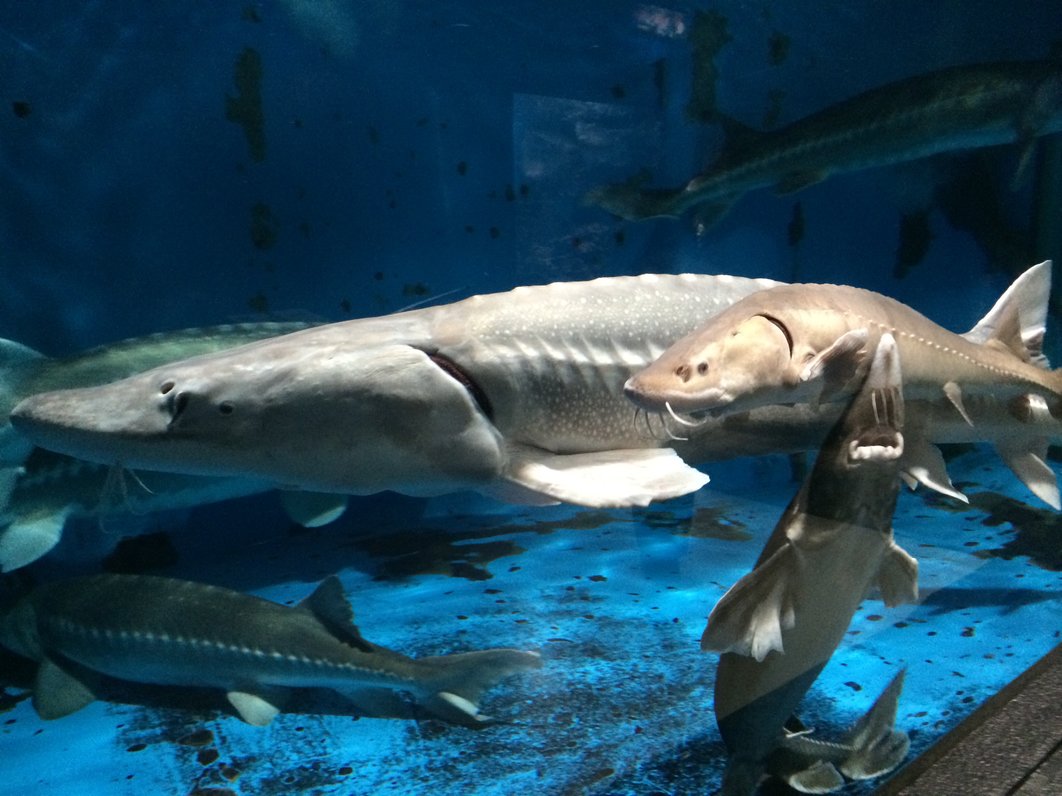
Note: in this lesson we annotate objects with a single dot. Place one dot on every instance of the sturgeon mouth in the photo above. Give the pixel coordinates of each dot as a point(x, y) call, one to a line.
point(462, 377)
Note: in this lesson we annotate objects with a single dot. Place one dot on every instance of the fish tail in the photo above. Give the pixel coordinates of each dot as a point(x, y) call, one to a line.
point(877, 747)
point(456, 683)
point(18, 365)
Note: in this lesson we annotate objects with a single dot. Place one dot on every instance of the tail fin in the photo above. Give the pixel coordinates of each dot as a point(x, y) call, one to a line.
point(877, 748)
point(18, 364)
point(460, 680)
point(871, 748)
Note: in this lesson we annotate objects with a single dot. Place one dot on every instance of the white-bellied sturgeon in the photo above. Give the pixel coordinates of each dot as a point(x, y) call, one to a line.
point(951, 109)
point(164, 631)
point(809, 345)
point(40, 491)
point(516, 394)
point(778, 626)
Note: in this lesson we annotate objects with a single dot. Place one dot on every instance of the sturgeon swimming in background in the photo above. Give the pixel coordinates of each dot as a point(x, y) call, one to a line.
point(40, 491)
point(164, 631)
point(958, 108)
point(778, 626)
point(811, 344)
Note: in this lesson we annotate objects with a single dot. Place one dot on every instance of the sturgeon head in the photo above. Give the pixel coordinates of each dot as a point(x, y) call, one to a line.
point(855, 480)
point(769, 348)
point(308, 409)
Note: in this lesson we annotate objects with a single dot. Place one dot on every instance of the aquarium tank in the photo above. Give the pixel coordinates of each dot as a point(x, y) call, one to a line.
point(607, 398)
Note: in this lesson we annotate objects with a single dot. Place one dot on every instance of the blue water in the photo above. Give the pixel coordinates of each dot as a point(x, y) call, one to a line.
point(415, 150)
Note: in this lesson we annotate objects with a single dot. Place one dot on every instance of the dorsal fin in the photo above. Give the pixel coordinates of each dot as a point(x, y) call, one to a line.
point(329, 605)
point(1018, 320)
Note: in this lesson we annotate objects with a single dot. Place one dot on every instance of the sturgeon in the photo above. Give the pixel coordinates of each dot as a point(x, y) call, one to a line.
point(778, 626)
point(164, 631)
point(951, 109)
point(810, 345)
point(517, 395)
point(40, 491)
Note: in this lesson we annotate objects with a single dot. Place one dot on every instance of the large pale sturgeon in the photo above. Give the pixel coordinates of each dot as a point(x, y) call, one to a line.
point(163, 631)
point(952, 109)
point(779, 625)
point(809, 345)
point(516, 394)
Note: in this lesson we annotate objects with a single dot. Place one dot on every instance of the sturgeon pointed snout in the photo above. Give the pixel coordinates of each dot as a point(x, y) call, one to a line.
point(74, 422)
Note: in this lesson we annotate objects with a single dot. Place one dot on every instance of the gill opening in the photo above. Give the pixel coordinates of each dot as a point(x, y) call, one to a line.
point(461, 376)
point(782, 328)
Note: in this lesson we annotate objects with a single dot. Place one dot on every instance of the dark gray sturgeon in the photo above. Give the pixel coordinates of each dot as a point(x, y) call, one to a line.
point(962, 107)
point(778, 626)
point(164, 631)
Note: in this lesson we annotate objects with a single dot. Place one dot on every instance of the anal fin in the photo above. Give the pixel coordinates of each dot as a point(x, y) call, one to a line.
point(1029, 465)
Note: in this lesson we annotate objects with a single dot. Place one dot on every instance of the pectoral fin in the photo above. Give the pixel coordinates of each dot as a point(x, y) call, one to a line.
point(58, 691)
point(898, 576)
point(27, 539)
point(253, 709)
point(837, 364)
point(313, 509)
point(604, 479)
point(819, 777)
point(750, 617)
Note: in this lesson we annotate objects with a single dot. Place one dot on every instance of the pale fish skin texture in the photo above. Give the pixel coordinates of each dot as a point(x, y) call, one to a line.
point(778, 626)
point(517, 395)
point(164, 631)
point(40, 491)
point(809, 345)
point(954, 109)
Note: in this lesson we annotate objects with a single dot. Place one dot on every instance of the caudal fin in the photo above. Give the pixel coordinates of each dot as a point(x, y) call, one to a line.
point(877, 747)
point(18, 364)
point(459, 681)
point(871, 748)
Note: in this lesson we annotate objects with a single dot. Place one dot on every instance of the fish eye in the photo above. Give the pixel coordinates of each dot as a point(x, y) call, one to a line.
point(226, 407)
point(702, 368)
point(166, 387)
